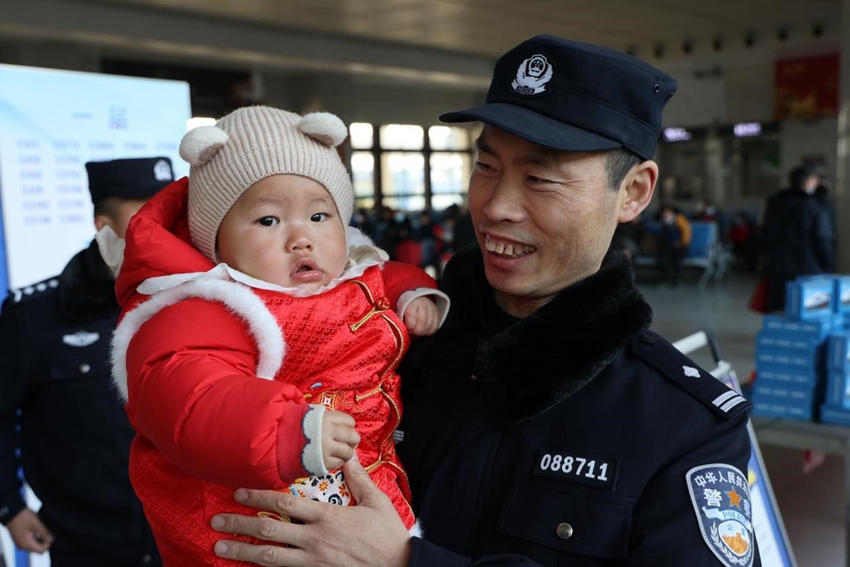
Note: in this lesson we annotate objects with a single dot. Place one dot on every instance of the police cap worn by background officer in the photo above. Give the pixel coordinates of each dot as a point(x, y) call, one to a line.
point(58, 405)
point(131, 178)
point(574, 96)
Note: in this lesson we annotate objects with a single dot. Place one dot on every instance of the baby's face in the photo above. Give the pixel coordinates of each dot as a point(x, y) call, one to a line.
point(285, 230)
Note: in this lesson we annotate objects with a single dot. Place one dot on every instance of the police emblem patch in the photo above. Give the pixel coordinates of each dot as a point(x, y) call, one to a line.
point(532, 76)
point(162, 171)
point(721, 497)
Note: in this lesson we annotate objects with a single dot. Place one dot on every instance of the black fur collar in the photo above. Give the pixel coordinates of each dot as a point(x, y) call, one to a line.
point(552, 353)
point(86, 287)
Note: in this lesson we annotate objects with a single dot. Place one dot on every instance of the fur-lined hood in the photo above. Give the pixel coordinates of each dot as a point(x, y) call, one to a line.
point(543, 358)
point(158, 242)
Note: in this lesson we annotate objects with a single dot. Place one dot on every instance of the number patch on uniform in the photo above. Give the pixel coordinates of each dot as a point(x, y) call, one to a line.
point(576, 468)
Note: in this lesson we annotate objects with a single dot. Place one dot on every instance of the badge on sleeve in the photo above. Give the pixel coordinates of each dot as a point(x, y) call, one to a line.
point(721, 497)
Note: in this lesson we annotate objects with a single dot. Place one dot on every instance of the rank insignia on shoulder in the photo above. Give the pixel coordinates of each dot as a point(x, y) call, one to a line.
point(720, 494)
point(33, 290)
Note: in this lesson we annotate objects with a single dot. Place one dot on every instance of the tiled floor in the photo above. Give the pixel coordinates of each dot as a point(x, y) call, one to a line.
point(811, 504)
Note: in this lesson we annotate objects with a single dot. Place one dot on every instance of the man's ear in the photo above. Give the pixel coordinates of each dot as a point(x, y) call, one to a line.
point(101, 221)
point(638, 186)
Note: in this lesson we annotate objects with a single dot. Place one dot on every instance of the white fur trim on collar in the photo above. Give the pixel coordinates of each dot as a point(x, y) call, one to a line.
point(236, 297)
point(362, 254)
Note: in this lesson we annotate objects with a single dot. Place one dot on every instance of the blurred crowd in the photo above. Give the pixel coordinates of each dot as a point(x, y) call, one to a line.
point(428, 238)
point(738, 231)
point(422, 238)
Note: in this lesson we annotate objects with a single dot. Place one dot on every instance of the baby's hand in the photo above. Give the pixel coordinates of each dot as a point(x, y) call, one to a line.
point(421, 317)
point(339, 439)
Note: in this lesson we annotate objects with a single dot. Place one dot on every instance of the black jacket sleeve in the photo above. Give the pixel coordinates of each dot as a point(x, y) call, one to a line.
point(12, 392)
point(823, 240)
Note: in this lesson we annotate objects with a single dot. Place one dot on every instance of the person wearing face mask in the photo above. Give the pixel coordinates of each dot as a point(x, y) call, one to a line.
point(60, 419)
point(798, 235)
point(260, 334)
point(673, 240)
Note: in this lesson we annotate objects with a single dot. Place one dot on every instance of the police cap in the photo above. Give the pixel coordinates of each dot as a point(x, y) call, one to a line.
point(574, 96)
point(133, 178)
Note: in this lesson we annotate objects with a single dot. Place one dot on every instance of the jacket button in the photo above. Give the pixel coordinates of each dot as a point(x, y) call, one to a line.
point(564, 531)
point(84, 368)
point(146, 560)
point(647, 339)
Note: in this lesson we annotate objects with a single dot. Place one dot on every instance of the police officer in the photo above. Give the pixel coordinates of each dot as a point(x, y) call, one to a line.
point(545, 424)
point(60, 418)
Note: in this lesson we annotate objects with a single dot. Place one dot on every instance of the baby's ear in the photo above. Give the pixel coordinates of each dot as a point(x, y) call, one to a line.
point(200, 144)
point(324, 127)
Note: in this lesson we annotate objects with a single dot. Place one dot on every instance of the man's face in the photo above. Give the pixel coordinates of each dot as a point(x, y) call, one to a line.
point(811, 183)
point(285, 230)
point(543, 218)
point(124, 211)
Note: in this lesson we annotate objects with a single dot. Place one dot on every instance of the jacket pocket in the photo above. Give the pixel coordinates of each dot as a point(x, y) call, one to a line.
point(567, 522)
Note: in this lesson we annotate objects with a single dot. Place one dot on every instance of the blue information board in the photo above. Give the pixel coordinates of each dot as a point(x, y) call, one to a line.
point(51, 123)
point(774, 547)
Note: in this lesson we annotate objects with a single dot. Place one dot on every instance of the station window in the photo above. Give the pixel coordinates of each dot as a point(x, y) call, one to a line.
point(408, 167)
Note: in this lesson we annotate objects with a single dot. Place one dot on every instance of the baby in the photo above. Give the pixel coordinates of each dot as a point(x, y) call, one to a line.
point(260, 335)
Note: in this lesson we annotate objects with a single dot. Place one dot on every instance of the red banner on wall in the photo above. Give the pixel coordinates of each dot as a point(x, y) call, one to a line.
point(806, 87)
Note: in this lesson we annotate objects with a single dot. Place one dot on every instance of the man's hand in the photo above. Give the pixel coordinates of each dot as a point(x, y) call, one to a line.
point(29, 533)
point(421, 317)
point(339, 439)
point(368, 534)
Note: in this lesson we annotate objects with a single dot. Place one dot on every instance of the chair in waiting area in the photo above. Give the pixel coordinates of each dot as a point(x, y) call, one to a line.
point(704, 251)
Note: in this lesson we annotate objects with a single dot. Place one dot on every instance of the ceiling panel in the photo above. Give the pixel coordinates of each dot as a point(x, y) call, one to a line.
point(488, 27)
point(652, 29)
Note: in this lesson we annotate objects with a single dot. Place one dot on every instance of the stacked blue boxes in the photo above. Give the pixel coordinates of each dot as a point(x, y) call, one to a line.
point(790, 367)
point(803, 358)
point(836, 407)
point(812, 297)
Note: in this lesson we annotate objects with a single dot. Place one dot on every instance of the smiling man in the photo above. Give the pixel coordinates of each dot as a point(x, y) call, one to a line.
point(545, 424)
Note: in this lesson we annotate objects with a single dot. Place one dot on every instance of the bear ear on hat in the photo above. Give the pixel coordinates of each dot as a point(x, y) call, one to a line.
point(200, 144)
point(324, 127)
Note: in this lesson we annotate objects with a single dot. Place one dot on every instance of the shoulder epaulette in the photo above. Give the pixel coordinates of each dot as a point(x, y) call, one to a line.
point(685, 373)
point(34, 290)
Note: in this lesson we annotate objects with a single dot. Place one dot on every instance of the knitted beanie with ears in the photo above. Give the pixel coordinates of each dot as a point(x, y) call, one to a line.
point(253, 143)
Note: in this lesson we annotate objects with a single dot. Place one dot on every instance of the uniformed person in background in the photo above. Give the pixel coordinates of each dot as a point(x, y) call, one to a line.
point(60, 416)
point(545, 424)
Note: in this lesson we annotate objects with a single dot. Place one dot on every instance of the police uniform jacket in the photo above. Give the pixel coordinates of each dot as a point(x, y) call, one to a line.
point(74, 438)
point(574, 436)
